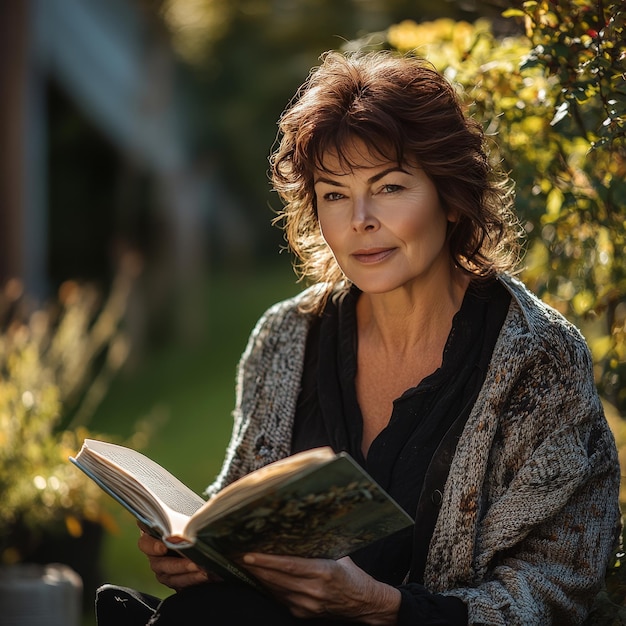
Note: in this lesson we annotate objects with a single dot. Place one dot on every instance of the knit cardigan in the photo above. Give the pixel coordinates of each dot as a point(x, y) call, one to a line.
point(529, 515)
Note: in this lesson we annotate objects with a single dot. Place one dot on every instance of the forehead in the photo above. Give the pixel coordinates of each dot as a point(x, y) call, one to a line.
point(353, 155)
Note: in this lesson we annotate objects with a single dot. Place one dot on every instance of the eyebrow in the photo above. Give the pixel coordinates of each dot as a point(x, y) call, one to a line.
point(373, 179)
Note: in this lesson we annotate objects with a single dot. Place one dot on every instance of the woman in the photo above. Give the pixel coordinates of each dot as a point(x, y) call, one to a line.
point(471, 402)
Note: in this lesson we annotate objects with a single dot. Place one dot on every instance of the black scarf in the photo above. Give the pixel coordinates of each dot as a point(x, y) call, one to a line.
point(411, 457)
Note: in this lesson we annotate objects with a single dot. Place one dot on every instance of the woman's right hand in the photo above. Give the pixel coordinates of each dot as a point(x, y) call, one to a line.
point(174, 571)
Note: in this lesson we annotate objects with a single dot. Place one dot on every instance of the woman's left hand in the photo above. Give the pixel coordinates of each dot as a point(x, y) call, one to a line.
point(326, 588)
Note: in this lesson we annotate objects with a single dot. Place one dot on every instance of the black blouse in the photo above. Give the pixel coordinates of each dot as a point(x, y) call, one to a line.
point(410, 457)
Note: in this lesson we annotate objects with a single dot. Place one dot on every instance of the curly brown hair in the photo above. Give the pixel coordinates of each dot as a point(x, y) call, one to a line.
point(403, 110)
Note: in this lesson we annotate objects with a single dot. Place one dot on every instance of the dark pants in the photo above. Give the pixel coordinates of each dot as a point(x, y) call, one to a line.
point(120, 606)
point(213, 604)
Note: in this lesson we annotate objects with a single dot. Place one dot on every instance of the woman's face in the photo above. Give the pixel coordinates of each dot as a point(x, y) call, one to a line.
point(383, 222)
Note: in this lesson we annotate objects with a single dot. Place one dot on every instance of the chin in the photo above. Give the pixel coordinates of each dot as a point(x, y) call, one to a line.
point(377, 287)
point(376, 281)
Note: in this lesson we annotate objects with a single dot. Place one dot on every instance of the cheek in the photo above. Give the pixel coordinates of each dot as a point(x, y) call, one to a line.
point(333, 241)
point(431, 225)
point(328, 230)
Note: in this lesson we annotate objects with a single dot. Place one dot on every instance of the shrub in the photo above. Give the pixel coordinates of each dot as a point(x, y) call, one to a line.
point(55, 364)
point(554, 92)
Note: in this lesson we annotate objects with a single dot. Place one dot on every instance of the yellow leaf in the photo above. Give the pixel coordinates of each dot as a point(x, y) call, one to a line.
point(554, 202)
point(600, 347)
point(73, 525)
point(582, 302)
point(513, 13)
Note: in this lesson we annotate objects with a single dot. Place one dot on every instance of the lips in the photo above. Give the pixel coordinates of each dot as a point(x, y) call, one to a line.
point(373, 255)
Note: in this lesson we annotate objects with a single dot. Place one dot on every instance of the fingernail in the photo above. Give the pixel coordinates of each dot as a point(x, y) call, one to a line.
point(248, 558)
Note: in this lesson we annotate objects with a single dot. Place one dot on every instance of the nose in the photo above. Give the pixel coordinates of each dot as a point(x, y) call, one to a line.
point(363, 215)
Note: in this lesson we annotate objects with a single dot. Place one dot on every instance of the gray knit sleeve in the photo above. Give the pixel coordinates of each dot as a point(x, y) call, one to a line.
point(267, 387)
point(530, 514)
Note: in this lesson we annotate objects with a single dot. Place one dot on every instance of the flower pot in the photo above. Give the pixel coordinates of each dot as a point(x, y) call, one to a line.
point(40, 595)
point(54, 545)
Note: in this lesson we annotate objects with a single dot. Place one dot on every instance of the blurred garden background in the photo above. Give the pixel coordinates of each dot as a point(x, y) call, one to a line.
point(136, 245)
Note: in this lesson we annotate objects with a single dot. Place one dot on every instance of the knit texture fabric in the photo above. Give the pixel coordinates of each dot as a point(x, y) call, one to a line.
point(530, 511)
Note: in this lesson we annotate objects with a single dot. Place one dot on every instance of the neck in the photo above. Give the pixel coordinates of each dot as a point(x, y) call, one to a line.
point(419, 314)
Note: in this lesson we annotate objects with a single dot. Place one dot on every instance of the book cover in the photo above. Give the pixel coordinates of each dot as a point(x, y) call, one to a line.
point(326, 512)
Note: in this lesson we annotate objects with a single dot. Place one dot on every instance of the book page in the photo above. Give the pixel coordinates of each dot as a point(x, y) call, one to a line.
point(140, 480)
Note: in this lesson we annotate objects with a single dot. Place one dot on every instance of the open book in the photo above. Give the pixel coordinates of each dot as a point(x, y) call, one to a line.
point(314, 504)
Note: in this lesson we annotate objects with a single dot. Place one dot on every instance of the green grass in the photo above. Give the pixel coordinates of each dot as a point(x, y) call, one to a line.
point(191, 386)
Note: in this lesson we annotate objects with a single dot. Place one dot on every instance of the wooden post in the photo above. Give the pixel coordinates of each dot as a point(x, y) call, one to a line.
point(14, 38)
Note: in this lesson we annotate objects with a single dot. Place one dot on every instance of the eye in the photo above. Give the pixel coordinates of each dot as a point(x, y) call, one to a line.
point(390, 188)
point(332, 196)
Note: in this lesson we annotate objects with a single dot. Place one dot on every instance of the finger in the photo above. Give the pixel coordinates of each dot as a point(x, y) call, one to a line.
point(180, 581)
point(293, 565)
point(308, 577)
point(172, 565)
point(151, 546)
point(177, 572)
